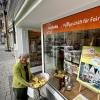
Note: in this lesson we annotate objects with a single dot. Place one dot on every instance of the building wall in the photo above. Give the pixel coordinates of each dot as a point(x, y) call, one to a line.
point(11, 41)
point(21, 45)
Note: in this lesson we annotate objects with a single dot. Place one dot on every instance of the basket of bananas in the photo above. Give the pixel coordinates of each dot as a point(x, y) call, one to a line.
point(39, 80)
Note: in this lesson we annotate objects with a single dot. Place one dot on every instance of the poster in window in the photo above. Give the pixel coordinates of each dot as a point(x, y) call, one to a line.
point(76, 56)
point(67, 53)
point(89, 70)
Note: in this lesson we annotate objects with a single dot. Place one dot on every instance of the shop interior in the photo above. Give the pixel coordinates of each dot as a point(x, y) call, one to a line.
point(62, 52)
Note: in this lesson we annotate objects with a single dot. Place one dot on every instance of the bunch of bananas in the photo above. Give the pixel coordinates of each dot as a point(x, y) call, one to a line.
point(59, 74)
point(38, 82)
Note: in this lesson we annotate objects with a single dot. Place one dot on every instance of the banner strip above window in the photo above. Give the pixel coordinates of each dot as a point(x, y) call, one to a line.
point(88, 19)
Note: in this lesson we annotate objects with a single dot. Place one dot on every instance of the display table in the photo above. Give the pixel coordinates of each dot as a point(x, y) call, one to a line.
point(75, 91)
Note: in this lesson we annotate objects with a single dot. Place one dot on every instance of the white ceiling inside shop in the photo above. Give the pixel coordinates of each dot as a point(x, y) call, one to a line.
point(49, 10)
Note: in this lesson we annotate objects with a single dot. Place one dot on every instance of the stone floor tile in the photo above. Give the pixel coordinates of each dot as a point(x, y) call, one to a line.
point(6, 63)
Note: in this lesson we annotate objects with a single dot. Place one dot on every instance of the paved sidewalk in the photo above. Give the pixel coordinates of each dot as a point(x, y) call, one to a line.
point(6, 62)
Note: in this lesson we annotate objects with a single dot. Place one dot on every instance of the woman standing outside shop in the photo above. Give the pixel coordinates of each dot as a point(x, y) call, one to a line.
point(21, 77)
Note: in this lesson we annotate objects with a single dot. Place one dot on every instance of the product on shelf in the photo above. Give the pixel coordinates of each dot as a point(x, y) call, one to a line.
point(59, 74)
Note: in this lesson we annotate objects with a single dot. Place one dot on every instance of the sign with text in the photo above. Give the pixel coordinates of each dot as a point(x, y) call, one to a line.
point(88, 19)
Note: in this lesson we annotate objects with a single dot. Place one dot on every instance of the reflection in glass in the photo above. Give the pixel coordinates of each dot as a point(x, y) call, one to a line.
point(66, 47)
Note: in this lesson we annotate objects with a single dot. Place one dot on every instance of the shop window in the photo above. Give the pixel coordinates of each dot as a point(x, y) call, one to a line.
point(63, 51)
point(35, 48)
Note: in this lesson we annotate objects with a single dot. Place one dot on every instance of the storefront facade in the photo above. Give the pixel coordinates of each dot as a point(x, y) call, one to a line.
point(63, 43)
point(23, 45)
point(78, 29)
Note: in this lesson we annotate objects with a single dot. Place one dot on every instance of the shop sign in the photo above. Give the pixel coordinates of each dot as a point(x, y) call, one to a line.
point(89, 19)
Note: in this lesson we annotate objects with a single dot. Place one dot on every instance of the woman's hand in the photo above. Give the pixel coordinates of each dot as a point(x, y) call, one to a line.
point(32, 75)
point(29, 84)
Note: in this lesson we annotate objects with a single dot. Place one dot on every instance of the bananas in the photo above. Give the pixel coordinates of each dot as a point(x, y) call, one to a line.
point(59, 74)
point(35, 79)
point(38, 82)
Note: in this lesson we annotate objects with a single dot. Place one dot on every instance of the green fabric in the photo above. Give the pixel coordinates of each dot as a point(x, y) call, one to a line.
point(19, 77)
